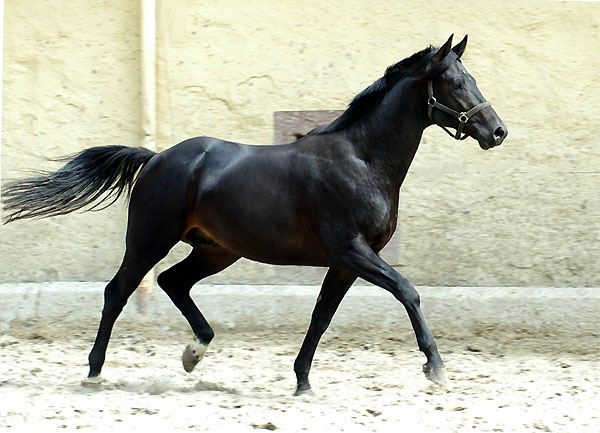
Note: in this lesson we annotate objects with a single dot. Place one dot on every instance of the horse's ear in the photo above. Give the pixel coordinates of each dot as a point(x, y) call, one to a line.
point(459, 48)
point(443, 51)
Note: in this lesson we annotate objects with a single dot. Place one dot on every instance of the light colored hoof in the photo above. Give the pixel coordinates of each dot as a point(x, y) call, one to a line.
point(436, 374)
point(192, 355)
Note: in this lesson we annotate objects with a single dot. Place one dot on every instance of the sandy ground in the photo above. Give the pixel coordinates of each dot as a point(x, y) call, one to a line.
point(518, 360)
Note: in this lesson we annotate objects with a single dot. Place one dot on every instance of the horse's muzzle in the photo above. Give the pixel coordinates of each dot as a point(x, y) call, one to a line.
point(497, 138)
point(499, 135)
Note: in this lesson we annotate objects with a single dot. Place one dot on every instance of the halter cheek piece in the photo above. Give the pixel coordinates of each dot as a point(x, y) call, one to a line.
point(463, 117)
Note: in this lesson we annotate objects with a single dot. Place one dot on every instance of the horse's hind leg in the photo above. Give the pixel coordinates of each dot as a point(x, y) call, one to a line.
point(116, 294)
point(148, 241)
point(177, 282)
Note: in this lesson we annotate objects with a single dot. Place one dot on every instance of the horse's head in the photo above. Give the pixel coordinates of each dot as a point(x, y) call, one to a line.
point(455, 101)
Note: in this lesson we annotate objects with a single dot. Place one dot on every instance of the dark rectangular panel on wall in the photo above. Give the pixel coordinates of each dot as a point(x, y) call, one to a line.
point(291, 125)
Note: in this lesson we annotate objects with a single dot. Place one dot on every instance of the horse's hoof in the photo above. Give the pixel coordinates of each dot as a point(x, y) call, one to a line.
point(92, 381)
point(304, 390)
point(308, 392)
point(192, 355)
point(437, 374)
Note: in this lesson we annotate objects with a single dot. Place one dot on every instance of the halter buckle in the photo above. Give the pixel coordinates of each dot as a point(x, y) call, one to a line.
point(463, 118)
point(431, 101)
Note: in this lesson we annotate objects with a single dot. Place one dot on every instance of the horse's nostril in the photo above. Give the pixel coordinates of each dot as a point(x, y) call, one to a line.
point(499, 135)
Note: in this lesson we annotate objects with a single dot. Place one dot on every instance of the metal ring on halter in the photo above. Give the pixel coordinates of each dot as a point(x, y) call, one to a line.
point(463, 117)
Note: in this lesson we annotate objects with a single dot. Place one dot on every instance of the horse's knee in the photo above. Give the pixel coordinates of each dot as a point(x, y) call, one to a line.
point(412, 297)
point(114, 301)
point(407, 293)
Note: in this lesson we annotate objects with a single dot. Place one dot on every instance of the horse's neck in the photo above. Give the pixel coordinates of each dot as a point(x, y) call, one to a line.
point(390, 137)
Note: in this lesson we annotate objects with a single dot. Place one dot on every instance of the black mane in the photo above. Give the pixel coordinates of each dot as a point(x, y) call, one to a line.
point(363, 103)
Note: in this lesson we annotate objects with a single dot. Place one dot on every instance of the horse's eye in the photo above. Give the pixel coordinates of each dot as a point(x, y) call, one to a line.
point(456, 85)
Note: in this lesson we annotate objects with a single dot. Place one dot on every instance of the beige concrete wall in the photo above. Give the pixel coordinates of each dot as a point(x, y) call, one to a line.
point(71, 81)
point(527, 213)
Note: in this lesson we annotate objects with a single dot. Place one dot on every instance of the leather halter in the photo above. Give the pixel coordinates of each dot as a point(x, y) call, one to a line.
point(463, 117)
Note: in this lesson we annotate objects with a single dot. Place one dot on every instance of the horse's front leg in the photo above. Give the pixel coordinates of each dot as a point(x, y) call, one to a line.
point(358, 257)
point(335, 286)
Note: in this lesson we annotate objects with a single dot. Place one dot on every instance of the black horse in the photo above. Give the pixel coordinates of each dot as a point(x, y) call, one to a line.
point(329, 199)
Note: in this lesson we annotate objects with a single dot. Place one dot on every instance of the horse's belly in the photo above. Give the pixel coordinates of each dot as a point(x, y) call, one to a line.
point(268, 240)
point(276, 249)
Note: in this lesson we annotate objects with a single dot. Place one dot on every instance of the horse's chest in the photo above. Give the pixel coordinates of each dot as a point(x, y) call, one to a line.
point(379, 222)
point(384, 234)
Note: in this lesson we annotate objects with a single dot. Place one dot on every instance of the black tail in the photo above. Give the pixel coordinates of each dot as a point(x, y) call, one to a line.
point(98, 173)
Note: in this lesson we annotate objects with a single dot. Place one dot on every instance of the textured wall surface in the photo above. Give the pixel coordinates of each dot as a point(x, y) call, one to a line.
point(527, 213)
point(71, 81)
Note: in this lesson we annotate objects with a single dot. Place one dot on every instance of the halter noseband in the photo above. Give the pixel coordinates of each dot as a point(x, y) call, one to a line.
point(463, 117)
